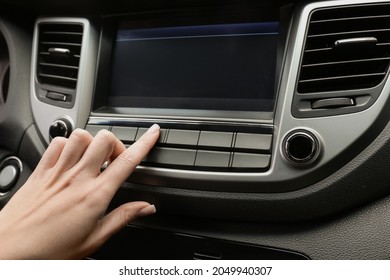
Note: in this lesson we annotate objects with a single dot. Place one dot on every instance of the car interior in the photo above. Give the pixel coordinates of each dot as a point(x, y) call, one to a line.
point(275, 137)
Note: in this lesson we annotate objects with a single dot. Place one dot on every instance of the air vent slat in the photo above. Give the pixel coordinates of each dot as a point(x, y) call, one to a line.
point(58, 65)
point(360, 32)
point(328, 66)
point(330, 55)
point(349, 19)
point(61, 43)
point(346, 25)
point(342, 83)
point(351, 11)
point(58, 77)
point(59, 68)
point(333, 78)
point(346, 62)
point(62, 33)
point(318, 50)
point(58, 80)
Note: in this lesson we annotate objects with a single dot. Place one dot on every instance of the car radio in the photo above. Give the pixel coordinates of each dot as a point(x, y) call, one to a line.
point(210, 86)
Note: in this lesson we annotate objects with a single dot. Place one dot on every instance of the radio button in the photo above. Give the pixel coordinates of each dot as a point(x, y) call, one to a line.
point(94, 129)
point(124, 133)
point(183, 137)
point(161, 138)
point(163, 135)
point(171, 156)
point(141, 131)
point(212, 159)
point(243, 160)
point(215, 139)
point(253, 141)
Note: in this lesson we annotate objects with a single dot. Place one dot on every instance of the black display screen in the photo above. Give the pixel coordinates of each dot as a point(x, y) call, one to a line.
point(206, 67)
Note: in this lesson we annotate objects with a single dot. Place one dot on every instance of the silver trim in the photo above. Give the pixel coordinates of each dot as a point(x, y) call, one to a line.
point(191, 115)
point(109, 120)
point(45, 114)
point(314, 152)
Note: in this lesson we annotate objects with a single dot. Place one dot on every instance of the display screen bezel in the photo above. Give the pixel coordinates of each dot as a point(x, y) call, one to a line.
point(175, 18)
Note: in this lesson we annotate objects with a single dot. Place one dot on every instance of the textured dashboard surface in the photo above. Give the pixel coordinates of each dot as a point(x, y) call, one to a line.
point(361, 234)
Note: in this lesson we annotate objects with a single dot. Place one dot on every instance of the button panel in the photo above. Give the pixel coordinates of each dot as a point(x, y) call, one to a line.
point(126, 134)
point(183, 137)
point(94, 129)
point(212, 159)
point(215, 139)
point(253, 141)
point(161, 138)
point(141, 131)
point(171, 156)
point(245, 160)
point(204, 150)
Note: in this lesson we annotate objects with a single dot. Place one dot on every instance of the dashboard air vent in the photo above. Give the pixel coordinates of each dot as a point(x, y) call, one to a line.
point(347, 48)
point(59, 49)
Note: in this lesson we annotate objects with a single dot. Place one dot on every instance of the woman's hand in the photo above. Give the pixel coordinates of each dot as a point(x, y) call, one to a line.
point(59, 212)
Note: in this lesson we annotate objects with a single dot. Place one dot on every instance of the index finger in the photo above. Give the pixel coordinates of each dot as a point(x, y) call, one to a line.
point(121, 168)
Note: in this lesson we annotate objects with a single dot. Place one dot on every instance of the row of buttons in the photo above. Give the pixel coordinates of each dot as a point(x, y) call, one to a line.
point(207, 159)
point(193, 137)
point(204, 150)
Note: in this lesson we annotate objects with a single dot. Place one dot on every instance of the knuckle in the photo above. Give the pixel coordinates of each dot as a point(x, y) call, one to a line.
point(105, 135)
point(106, 139)
point(128, 158)
point(81, 132)
point(58, 141)
point(81, 135)
point(124, 218)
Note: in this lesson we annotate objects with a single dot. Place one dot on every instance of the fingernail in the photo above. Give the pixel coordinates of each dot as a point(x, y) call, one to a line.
point(148, 210)
point(154, 128)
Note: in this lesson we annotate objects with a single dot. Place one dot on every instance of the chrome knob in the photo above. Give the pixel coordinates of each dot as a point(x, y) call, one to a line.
point(61, 127)
point(301, 147)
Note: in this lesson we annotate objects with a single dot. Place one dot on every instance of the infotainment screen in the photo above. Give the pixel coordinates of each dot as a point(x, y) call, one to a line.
point(228, 67)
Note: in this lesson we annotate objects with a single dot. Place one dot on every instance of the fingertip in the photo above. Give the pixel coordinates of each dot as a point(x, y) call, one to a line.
point(154, 129)
point(151, 134)
point(147, 211)
point(115, 221)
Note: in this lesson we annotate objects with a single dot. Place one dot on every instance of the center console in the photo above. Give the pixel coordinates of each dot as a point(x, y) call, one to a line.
point(256, 103)
point(210, 87)
point(210, 83)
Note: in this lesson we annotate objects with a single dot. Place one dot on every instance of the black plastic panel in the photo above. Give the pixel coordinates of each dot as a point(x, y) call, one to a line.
point(136, 243)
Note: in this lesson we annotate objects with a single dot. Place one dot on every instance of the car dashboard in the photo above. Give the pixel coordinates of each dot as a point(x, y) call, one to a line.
point(274, 140)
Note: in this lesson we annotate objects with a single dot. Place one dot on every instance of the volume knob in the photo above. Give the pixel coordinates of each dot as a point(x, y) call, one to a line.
point(61, 127)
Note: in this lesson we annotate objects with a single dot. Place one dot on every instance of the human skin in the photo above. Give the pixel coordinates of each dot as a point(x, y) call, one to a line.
point(60, 212)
